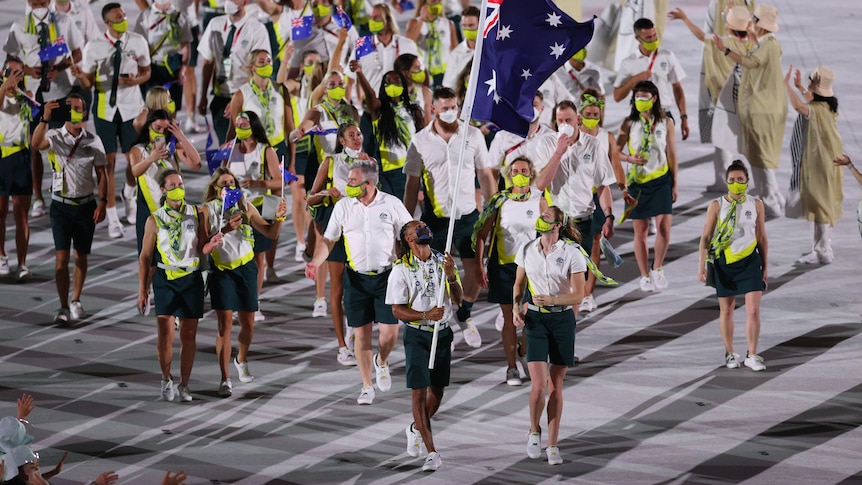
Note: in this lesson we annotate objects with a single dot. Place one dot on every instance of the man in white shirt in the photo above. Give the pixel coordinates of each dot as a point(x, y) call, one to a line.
point(169, 33)
point(433, 157)
point(509, 146)
point(650, 63)
point(370, 222)
point(225, 47)
point(579, 74)
point(462, 54)
point(116, 63)
point(74, 153)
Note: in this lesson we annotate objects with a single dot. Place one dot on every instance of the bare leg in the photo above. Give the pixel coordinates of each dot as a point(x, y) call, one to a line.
point(752, 320)
point(261, 268)
point(662, 238)
point(726, 306)
point(336, 299)
point(111, 159)
point(595, 256)
point(38, 173)
point(164, 345)
point(4, 210)
point(298, 208)
point(555, 402)
point(79, 275)
point(426, 402)
point(386, 340)
point(246, 335)
point(641, 230)
point(188, 333)
point(20, 207)
point(539, 379)
point(61, 276)
point(223, 344)
point(510, 336)
point(363, 353)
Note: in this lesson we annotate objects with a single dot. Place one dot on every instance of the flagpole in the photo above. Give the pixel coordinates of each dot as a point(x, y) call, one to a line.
point(466, 114)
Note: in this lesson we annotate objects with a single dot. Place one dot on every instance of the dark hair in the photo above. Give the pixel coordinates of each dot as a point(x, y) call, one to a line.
point(162, 177)
point(643, 24)
point(564, 104)
point(339, 147)
point(647, 87)
point(471, 11)
point(736, 166)
point(258, 132)
point(568, 230)
point(387, 129)
point(444, 93)
point(404, 62)
point(403, 248)
point(153, 116)
point(832, 101)
point(108, 7)
point(462, 80)
point(12, 59)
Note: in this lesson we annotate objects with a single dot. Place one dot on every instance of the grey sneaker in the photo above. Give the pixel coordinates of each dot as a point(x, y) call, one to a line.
point(731, 360)
point(513, 377)
point(185, 394)
point(414, 441)
point(384, 381)
point(366, 395)
point(225, 389)
point(754, 362)
point(346, 357)
point(62, 316)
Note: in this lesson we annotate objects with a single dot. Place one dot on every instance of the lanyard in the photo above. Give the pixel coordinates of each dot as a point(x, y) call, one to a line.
point(652, 60)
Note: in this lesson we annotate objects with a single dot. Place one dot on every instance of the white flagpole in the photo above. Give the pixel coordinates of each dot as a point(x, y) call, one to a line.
point(466, 113)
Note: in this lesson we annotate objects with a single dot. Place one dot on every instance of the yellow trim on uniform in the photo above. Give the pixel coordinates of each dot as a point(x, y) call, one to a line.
point(430, 195)
point(730, 257)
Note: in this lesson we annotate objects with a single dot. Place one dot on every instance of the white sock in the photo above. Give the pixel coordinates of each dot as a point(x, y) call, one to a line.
point(112, 216)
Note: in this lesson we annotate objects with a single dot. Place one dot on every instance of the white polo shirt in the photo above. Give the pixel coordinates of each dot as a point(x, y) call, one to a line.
point(550, 275)
point(250, 35)
point(436, 162)
point(23, 42)
point(155, 25)
point(460, 56)
point(98, 59)
point(82, 19)
point(666, 70)
point(553, 91)
point(582, 167)
point(370, 232)
point(382, 60)
point(509, 146)
point(77, 172)
point(415, 284)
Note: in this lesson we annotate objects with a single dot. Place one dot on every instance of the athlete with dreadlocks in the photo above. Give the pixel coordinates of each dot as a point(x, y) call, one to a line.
point(413, 290)
point(396, 119)
point(509, 217)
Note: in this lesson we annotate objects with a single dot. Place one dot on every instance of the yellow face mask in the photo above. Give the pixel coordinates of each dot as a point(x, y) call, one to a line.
point(435, 9)
point(172, 107)
point(337, 93)
point(393, 90)
point(580, 56)
point(376, 26)
point(354, 191)
point(322, 10)
point(590, 123)
point(121, 26)
point(309, 69)
point(418, 77)
point(243, 133)
point(544, 226)
point(264, 71)
point(650, 46)
point(520, 180)
point(470, 34)
point(76, 117)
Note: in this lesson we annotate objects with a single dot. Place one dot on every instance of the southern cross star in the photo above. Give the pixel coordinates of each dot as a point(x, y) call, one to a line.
point(554, 19)
point(557, 50)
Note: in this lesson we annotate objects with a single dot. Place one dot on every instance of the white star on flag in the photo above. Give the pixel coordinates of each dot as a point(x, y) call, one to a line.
point(492, 84)
point(505, 32)
point(525, 73)
point(557, 50)
point(554, 19)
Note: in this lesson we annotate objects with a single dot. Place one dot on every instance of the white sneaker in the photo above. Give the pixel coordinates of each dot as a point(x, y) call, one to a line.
point(826, 257)
point(299, 255)
point(242, 370)
point(271, 277)
point(168, 390)
point(534, 445)
point(38, 209)
point(319, 308)
point(433, 462)
point(414, 441)
point(77, 310)
point(513, 377)
point(4, 266)
point(225, 389)
point(754, 362)
point(62, 316)
point(731, 360)
point(471, 334)
point(588, 304)
point(658, 279)
point(652, 228)
point(23, 273)
point(189, 125)
point(499, 321)
point(646, 284)
point(258, 316)
point(553, 454)
point(366, 395)
point(350, 338)
point(185, 394)
point(811, 258)
point(130, 201)
point(345, 357)
point(381, 372)
point(115, 230)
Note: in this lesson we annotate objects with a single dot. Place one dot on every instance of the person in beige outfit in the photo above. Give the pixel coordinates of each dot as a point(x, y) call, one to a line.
point(762, 108)
point(820, 180)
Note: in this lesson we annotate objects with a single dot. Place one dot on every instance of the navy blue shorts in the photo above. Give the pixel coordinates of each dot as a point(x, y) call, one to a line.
point(393, 182)
point(73, 224)
point(501, 280)
point(462, 240)
point(417, 352)
point(551, 337)
point(182, 297)
point(109, 131)
point(16, 174)
point(364, 299)
point(262, 243)
point(234, 289)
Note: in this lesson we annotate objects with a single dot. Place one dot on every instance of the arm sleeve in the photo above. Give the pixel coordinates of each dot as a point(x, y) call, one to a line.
point(99, 159)
point(205, 44)
point(676, 73)
point(413, 163)
point(480, 153)
point(334, 228)
point(397, 288)
point(579, 264)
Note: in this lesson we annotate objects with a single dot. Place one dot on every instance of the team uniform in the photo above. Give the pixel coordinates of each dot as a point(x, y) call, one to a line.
point(149, 193)
point(178, 287)
point(233, 281)
point(167, 32)
point(665, 68)
point(252, 166)
point(509, 146)
point(15, 119)
point(651, 184)
point(369, 234)
point(738, 268)
point(514, 227)
point(435, 161)
point(392, 157)
point(550, 330)
point(268, 105)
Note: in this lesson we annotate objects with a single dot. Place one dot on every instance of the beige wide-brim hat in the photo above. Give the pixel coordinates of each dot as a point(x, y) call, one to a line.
point(767, 17)
point(823, 77)
point(737, 18)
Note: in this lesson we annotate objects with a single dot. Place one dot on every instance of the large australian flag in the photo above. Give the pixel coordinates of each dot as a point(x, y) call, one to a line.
point(524, 43)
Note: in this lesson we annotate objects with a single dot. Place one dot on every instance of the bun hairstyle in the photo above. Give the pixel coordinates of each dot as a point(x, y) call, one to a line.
point(737, 166)
point(568, 230)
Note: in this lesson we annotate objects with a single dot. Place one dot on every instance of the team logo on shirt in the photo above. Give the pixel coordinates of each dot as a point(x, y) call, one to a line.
point(190, 226)
point(384, 216)
point(530, 213)
point(748, 214)
point(663, 64)
point(587, 157)
point(560, 261)
point(244, 43)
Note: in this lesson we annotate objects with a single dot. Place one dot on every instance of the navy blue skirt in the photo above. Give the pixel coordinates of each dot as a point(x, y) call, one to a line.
point(654, 197)
point(739, 278)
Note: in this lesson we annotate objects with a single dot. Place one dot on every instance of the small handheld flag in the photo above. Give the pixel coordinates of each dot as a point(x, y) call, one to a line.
point(301, 27)
point(364, 46)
